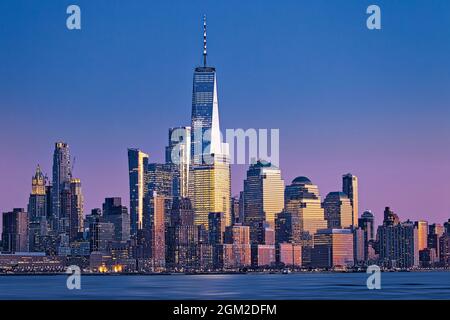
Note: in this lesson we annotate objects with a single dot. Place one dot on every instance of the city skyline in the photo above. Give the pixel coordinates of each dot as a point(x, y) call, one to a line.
point(95, 153)
point(183, 218)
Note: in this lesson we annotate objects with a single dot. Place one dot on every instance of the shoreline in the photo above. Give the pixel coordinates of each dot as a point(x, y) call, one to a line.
point(214, 273)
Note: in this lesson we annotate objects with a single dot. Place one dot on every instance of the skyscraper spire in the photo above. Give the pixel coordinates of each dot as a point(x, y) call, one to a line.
point(204, 40)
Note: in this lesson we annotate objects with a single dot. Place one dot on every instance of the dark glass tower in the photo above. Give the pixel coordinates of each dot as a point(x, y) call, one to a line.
point(137, 169)
point(61, 177)
point(205, 111)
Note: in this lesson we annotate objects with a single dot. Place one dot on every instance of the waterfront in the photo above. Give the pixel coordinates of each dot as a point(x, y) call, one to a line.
point(394, 285)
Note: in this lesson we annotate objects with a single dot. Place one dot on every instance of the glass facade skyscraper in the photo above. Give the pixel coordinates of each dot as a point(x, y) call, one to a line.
point(302, 198)
point(350, 188)
point(209, 186)
point(178, 155)
point(205, 111)
point(61, 177)
point(338, 210)
point(137, 168)
point(333, 248)
point(264, 199)
point(210, 191)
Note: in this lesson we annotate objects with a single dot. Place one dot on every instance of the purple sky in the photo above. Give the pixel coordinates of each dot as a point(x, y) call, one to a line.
point(346, 99)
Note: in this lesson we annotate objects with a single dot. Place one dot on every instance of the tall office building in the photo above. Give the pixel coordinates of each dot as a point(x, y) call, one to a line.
point(333, 248)
point(137, 166)
point(117, 214)
point(216, 235)
point(444, 246)
point(288, 228)
point(210, 190)
point(435, 231)
point(338, 210)
point(61, 177)
point(360, 249)
point(159, 179)
point(205, 134)
point(302, 199)
point(209, 186)
point(178, 155)
point(183, 236)
point(216, 228)
point(37, 211)
point(398, 242)
point(101, 235)
point(235, 210)
point(15, 231)
point(350, 188)
point(367, 223)
point(154, 230)
point(237, 248)
point(447, 227)
point(71, 209)
point(77, 208)
point(182, 213)
point(422, 234)
point(263, 192)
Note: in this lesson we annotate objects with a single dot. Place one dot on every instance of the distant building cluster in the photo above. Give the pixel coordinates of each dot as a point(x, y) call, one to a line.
point(182, 217)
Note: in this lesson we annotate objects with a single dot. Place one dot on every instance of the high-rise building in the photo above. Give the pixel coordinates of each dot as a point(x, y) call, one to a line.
point(444, 249)
point(137, 165)
point(302, 199)
point(264, 199)
point(216, 227)
point(154, 230)
point(117, 214)
point(235, 214)
point(367, 223)
point(338, 210)
point(350, 188)
point(37, 211)
point(211, 191)
point(289, 254)
point(101, 235)
point(447, 227)
point(15, 231)
point(422, 234)
point(288, 228)
point(209, 186)
point(178, 155)
point(398, 242)
point(359, 246)
point(71, 209)
point(205, 134)
point(182, 213)
point(265, 256)
point(237, 249)
point(216, 235)
point(241, 207)
point(77, 209)
point(182, 236)
point(435, 231)
point(333, 248)
point(159, 179)
point(61, 177)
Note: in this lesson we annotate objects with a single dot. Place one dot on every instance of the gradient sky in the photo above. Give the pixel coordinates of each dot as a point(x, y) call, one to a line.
point(346, 99)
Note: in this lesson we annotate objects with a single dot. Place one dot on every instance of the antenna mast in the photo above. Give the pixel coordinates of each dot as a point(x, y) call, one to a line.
point(204, 40)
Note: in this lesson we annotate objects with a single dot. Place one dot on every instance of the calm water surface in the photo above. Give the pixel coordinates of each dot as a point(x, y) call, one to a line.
point(410, 285)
